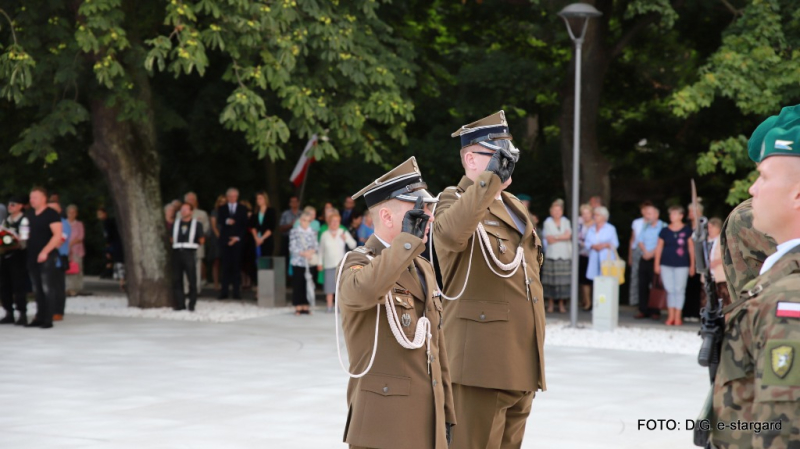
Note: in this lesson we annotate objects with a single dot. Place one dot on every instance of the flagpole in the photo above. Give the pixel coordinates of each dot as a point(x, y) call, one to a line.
point(303, 186)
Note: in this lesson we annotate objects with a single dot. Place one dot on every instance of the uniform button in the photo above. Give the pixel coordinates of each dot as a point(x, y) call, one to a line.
point(483, 183)
point(434, 382)
point(407, 246)
point(385, 389)
point(483, 317)
point(535, 300)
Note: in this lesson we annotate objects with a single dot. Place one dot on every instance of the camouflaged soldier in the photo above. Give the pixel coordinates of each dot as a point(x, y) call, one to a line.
point(744, 248)
point(757, 388)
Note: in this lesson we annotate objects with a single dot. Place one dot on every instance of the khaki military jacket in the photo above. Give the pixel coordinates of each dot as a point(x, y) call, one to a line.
point(398, 404)
point(496, 328)
point(758, 379)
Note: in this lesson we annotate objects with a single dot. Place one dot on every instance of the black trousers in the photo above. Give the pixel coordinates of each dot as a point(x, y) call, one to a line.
point(43, 280)
point(300, 286)
point(14, 282)
point(646, 275)
point(60, 287)
point(184, 261)
point(232, 269)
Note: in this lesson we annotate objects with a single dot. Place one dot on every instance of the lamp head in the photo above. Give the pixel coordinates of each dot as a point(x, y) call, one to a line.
point(574, 14)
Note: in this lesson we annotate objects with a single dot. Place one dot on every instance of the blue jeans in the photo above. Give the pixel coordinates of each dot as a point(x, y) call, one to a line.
point(674, 279)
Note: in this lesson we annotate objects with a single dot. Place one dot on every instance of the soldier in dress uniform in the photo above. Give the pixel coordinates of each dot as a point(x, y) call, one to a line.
point(13, 263)
point(400, 394)
point(490, 257)
point(758, 380)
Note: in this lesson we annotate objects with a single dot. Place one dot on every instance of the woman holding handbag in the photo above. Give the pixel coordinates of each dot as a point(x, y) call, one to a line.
point(675, 262)
point(601, 241)
point(304, 260)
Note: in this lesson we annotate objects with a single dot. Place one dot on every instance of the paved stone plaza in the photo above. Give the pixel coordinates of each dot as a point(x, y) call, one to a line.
point(274, 382)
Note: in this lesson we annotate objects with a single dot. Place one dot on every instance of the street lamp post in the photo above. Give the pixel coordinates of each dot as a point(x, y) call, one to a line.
point(578, 12)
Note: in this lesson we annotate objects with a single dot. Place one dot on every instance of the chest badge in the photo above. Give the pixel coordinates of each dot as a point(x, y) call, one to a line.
point(406, 320)
point(501, 247)
point(782, 359)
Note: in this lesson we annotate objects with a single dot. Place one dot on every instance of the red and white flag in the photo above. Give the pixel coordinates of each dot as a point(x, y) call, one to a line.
point(300, 170)
point(788, 310)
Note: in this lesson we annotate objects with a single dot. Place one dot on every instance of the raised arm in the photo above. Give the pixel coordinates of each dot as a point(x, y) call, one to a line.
point(364, 282)
point(457, 218)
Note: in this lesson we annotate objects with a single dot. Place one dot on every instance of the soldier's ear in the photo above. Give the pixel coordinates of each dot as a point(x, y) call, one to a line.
point(795, 196)
point(469, 160)
point(385, 215)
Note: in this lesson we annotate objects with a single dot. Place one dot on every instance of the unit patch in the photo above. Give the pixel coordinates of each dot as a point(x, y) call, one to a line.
point(782, 359)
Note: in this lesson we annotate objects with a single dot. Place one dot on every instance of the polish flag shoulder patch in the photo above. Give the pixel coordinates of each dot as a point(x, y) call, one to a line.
point(788, 310)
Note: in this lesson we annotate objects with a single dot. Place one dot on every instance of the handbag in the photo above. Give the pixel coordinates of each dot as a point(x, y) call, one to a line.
point(73, 268)
point(658, 295)
point(614, 268)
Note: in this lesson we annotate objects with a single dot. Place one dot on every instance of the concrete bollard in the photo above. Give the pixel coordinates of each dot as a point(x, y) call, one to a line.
point(272, 282)
point(605, 303)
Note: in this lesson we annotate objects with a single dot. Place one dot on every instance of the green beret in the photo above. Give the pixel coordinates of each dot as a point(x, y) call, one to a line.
point(778, 135)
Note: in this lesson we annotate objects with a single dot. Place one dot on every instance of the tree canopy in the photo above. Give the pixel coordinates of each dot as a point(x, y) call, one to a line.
point(165, 97)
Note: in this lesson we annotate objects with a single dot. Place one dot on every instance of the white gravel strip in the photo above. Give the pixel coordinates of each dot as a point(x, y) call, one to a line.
point(205, 311)
point(628, 338)
point(558, 332)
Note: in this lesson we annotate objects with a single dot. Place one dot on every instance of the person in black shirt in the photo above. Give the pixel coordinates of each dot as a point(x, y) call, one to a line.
point(187, 236)
point(43, 242)
point(14, 262)
point(262, 225)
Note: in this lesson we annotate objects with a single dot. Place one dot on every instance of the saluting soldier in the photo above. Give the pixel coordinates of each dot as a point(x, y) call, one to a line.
point(400, 394)
point(758, 380)
point(490, 257)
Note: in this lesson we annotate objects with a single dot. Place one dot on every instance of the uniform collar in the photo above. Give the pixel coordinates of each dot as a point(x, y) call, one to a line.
point(782, 250)
point(384, 242)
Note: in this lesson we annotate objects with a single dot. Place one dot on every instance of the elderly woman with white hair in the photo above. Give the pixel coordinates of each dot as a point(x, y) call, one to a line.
point(558, 257)
point(601, 241)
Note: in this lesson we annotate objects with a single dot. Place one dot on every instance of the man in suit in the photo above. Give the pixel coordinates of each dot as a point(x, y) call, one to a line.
point(405, 400)
point(347, 211)
point(232, 223)
point(498, 322)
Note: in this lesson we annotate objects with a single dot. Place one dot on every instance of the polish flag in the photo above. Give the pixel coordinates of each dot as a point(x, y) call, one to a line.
point(300, 170)
point(788, 310)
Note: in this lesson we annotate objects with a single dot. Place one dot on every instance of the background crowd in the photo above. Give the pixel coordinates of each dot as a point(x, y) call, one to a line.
point(221, 249)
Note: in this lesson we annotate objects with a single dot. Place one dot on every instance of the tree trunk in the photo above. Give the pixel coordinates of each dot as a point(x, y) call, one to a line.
point(594, 167)
point(126, 154)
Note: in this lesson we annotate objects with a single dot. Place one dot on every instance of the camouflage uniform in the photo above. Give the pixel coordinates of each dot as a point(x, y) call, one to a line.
point(744, 249)
point(758, 378)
